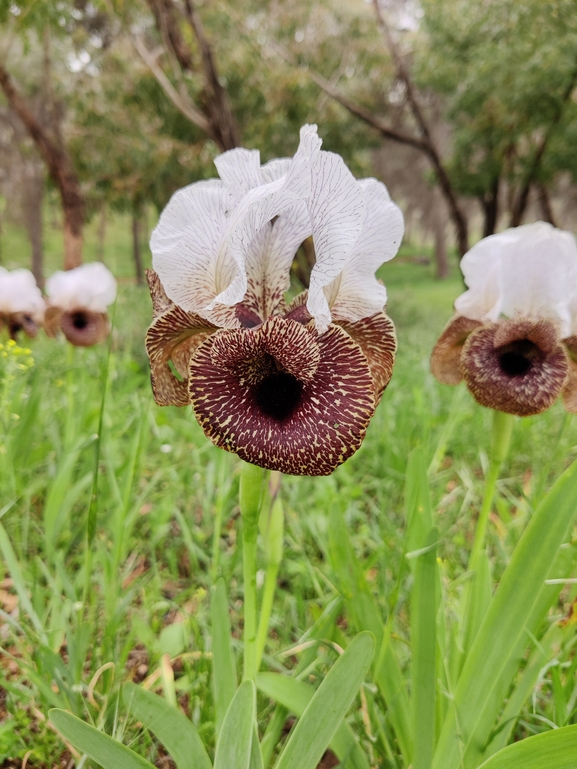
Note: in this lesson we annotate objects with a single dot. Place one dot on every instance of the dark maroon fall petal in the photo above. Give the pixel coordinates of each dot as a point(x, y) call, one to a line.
point(270, 398)
point(84, 328)
point(17, 322)
point(515, 366)
point(446, 355)
point(377, 339)
point(570, 388)
point(174, 335)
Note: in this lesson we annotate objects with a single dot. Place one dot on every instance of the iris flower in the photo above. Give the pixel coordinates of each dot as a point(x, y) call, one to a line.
point(21, 303)
point(514, 337)
point(77, 303)
point(286, 387)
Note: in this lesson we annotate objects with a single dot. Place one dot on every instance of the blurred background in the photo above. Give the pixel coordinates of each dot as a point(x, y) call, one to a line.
point(465, 109)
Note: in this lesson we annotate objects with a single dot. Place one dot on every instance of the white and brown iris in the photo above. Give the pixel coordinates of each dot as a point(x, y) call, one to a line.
point(77, 304)
point(514, 337)
point(21, 304)
point(290, 388)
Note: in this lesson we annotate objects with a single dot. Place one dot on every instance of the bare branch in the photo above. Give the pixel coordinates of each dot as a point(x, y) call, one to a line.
point(521, 202)
point(349, 104)
point(60, 169)
point(181, 103)
point(218, 106)
point(432, 153)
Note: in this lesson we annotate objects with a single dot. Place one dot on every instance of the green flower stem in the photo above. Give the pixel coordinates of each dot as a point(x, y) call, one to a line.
point(272, 529)
point(251, 494)
point(502, 431)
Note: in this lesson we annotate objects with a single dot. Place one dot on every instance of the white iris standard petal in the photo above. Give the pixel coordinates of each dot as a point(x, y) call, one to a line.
point(239, 169)
point(528, 271)
point(91, 287)
point(356, 293)
point(19, 293)
point(189, 253)
point(337, 210)
point(262, 204)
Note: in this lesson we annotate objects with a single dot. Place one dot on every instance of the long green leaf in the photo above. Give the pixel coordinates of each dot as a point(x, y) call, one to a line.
point(224, 680)
point(557, 748)
point(109, 753)
point(233, 749)
point(295, 696)
point(365, 614)
point(322, 716)
point(424, 651)
point(256, 759)
point(11, 562)
point(176, 732)
point(59, 502)
point(520, 603)
point(539, 657)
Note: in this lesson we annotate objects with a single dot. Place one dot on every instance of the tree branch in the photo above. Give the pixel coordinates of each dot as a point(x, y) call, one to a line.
point(60, 169)
point(430, 150)
point(356, 109)
point(218, 107)
point(182, 104)
point(522, 200)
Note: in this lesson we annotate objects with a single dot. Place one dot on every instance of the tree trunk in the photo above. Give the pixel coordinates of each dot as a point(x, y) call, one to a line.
point(430, 149)
point(136, 255)
point(61, 171)
point(34, 190)
point(545, 205)
point(222, 126)
point(523, 199)
point(101, 232)
point(441, 260)
point(490, 205)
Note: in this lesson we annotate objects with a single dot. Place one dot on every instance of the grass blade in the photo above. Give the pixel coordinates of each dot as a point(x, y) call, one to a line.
point(19, 584)
point(328, 706)
point(176, 732)
point(295, 696)
point(424, 651)
point(109, 753)
point(521, 601)
point(224, 680)
point(365, 614)
point(256, 759)
point(233, 749)
point(556, 748)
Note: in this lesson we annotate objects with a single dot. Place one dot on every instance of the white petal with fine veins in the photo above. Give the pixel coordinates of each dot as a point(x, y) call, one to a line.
point(189, 252)
point(337, 210)
point(91, 287)
point(19, 293)
point(239, 169)
point(356, 293)
point(526, 271)
point(201, 243)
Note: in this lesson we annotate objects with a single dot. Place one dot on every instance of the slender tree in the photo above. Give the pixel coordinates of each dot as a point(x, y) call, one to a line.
point(60, 168)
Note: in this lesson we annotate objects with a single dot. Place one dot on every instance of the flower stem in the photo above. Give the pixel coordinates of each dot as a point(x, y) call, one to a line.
point(502, 430)
point(251, 493)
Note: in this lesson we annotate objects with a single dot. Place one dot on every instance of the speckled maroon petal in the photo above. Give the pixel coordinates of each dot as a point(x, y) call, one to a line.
point(251, 354)
point(278, 421)
point(174, 335)
point(84, 328)
point(446, 355)
point(377, 339)
point(160, 302)
point(570, 388)
point(517, 377)
point(297, 309)
point(17, 322)
point(52, 321)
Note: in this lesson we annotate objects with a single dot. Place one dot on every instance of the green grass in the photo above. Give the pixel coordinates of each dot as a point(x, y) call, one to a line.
point(80, 617)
